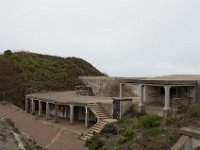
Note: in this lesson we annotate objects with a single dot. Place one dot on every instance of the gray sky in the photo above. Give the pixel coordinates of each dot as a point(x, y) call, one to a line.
point(119, 37)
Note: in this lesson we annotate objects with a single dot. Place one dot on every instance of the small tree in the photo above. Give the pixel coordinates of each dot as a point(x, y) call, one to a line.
point(7, 53)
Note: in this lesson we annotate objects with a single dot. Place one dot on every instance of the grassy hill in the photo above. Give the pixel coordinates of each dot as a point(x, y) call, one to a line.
point(22, 72)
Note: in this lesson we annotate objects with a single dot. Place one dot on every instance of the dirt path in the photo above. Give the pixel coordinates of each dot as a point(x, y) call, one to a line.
point(52, 137)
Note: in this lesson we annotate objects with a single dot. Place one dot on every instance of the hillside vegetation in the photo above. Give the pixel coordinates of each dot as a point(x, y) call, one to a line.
point(25, 72)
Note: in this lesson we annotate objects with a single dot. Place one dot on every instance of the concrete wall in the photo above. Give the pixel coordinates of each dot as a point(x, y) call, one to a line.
point(125, 106)
point(64, 114)
point(107, 108)
point(108, 86)
point(153, 93)
point(157, 93)
point(195, 143)
point(198, 91)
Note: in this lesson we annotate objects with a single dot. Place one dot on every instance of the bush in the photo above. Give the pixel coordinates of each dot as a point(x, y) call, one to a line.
point(9, 122)
point(148, 121)
point(7, 53)
point(156, 131)
point(194, 110)
point(95, 143)
point(173, 120)
point(109, 129)
point(128, 133)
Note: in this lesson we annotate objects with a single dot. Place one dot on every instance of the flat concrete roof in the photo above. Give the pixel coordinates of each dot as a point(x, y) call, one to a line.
point(189, 80)
point(191, 77)
point(122, 79)
point(68, 97)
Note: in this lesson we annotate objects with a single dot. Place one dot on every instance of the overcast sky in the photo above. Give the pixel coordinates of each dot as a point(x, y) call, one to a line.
point(119, 37)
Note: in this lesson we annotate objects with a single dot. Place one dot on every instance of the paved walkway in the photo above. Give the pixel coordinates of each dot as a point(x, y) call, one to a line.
point(47, 135)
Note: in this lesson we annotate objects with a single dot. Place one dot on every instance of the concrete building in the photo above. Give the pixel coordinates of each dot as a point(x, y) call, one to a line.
point(166, 92)
point(96, 107)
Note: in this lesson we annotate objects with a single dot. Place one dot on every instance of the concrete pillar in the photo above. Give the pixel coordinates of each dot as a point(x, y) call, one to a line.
point(32, 106)
point(167, 109)
point(56, 112)
point(47, 110)
point(71, 113)
point(86, 116)
point(26, 104)
point(121, 87)
point(141, 99)
point(40, 108)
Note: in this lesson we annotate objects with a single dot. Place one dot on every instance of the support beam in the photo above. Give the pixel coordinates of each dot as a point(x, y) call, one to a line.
point(32, 106)
point(141, 99)
point(47, 110)
point(56, 112)
point(40, 108)
point(141, 102)
point(71, 114)
point(86, 116)
point(26, 104)
point(167, 109)
point(121, 87)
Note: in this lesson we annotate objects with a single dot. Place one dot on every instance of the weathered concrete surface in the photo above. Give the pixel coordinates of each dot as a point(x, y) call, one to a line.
point(67, 141)
point(42, 133)
point(190, 139)
point(69, 97)
point(181, 143)
point(190, 132)
point(109, 86)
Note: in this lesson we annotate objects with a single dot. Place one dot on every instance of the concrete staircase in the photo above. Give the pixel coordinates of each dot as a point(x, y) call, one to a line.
point(103, 118)
point(99, 111)
point(94, 129)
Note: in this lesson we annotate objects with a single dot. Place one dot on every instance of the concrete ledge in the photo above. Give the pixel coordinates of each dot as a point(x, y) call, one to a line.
point(190, 132)
point(181, 142)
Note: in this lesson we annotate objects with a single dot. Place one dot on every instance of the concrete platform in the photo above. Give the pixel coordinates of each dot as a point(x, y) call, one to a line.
point(68, 97)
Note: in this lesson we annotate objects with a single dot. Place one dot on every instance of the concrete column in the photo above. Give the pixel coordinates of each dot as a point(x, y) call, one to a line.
point(56, 112)
point(26, 105)
point(121, 87)
point(47, 110)
point(86, 116)
point(141, 99)
point(32, 106)
point(40, 108)
point(71, 114)
point(167, 108)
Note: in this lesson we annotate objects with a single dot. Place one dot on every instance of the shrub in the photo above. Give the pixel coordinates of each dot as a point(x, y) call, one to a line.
point(95, 143)
point(156, 131)
point(122, 140)
point(194, 110)
point(109, 129)
point(148, 121)
point(129, 134)
point(173, 120)
point(9, 122)
point(182, 109)
point(7, 53)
